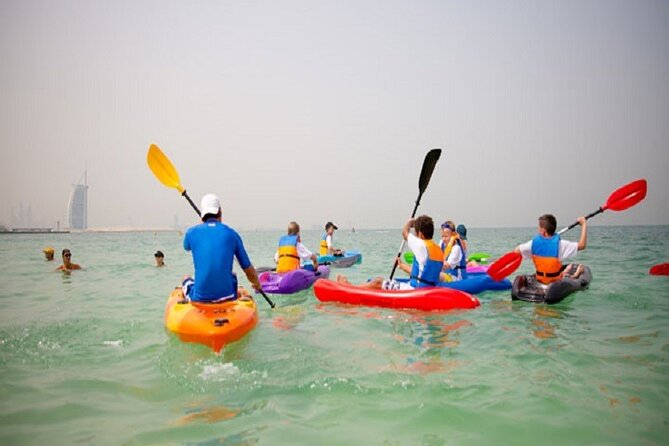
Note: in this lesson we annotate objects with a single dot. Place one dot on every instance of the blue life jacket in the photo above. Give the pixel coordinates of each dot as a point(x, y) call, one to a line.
point(545, 255)
point(429, 275)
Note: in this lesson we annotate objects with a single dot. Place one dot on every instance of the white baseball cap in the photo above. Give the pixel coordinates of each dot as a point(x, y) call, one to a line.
point(210, 204)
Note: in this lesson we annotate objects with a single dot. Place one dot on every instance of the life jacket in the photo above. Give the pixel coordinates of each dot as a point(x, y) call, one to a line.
point(545, 255)
point(429, 275)
point(324, 245)
point(288, 258)
point(459, 271)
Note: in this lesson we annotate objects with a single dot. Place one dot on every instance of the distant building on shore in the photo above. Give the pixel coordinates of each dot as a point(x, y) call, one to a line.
point(77, 208)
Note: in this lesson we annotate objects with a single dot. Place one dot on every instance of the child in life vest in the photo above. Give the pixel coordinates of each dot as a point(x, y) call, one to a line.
point(547, 250)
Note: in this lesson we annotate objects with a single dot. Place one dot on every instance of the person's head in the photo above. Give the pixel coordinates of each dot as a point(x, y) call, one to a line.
point(447, 229)
point(547, 225)
point(424, 227)
point(48, 252)
point(462, 231)
point(160, 258)
point(293, 228)
point(67, 256)
point(330, 227)
point(210, 207)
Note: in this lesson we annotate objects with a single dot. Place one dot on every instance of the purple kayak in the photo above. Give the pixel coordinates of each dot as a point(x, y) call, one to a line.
point(292, 281)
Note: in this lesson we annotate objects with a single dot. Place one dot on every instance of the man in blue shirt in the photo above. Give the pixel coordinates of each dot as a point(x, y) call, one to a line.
point(214, 245)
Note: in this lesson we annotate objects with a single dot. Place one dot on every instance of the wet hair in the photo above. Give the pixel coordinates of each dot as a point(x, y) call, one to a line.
point(293, 228)
point(64, 251)
point(425, 225)
point(549, 223)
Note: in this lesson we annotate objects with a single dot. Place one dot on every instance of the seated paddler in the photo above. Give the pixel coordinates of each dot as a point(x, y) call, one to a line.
point(547, 250)
point(428, 258)
point(455, 255)
point(291, 251)
point(214, 245)
point(326, 247)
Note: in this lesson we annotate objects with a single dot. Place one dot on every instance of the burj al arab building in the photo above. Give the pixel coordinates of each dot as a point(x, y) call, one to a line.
point(77, 209)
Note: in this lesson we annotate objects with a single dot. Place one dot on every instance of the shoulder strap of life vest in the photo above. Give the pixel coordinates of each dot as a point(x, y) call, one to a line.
point(545, 255)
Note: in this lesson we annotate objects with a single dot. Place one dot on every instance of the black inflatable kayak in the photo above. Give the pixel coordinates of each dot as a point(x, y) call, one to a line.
point(529, 289)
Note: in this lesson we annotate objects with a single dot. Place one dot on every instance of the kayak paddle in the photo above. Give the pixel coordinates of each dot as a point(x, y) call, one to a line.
point(425, 174)
point(164, 170)
point(622, 198)
point(661, 269)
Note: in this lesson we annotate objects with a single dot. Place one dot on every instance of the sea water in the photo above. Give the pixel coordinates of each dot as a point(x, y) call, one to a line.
point(85, 358)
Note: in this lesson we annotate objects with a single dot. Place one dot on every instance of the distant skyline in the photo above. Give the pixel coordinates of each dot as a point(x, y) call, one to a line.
point(323, 111)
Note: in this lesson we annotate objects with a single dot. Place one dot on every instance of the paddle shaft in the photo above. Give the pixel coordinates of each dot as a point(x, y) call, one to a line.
point(573, 225)
point(399, 253)
point(185, 195)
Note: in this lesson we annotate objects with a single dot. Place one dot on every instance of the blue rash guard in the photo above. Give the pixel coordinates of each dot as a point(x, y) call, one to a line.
point(214, 245)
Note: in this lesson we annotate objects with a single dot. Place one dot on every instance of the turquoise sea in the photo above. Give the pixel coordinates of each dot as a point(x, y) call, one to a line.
point(85, 359)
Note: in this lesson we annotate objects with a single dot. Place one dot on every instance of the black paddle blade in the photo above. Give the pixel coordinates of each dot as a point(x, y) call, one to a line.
point(428, 167)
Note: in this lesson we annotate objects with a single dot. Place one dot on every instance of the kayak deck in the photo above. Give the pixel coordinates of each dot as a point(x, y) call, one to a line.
point(426, 299)
point(214, 325)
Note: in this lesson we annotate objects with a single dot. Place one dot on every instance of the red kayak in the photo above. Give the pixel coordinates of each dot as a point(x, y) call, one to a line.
point(426, 299)
point(661, 269)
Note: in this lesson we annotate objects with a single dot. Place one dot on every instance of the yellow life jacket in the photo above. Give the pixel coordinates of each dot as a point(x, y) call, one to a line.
point(324, 245)
point(288, 258)
point(448, 247)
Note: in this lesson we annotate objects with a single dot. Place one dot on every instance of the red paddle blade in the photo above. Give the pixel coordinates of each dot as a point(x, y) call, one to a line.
point(505, 265)
point(661, 269)
point(627, 196)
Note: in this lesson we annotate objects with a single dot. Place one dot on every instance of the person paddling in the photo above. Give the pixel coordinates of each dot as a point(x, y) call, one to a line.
point(455, 254)
point(291, 251)
point(214, 245)
point(547, 250)
point(326, 247)
point(428, 258)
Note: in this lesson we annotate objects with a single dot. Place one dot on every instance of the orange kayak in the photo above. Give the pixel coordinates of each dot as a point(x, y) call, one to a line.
point(214, 325)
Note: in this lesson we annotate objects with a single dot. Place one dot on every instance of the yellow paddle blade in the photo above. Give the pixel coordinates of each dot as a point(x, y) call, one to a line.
point(162, 168)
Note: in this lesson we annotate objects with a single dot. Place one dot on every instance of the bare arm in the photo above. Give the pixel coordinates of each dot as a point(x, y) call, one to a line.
point(252, 275)
point(407, 227)
point(403, 266)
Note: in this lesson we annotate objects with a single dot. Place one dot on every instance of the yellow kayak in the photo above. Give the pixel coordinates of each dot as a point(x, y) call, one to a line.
point(214, 325)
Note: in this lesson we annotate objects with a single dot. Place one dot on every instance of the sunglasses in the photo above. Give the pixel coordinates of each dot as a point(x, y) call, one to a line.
point(67, 255)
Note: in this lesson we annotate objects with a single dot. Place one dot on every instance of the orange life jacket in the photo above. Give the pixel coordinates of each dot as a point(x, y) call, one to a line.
point(545, 255)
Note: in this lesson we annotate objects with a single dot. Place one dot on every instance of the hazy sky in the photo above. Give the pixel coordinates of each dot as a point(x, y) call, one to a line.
point(315, 111)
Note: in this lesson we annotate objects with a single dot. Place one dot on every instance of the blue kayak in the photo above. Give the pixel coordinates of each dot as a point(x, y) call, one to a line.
point(475, 284)
point(348, 259)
